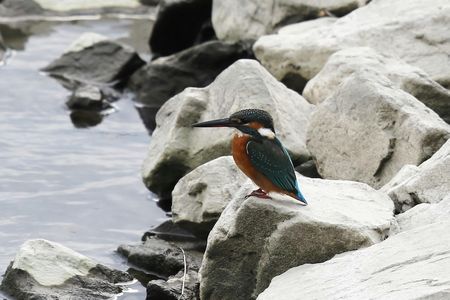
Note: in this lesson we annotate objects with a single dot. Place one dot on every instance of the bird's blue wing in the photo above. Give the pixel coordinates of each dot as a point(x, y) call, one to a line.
point(270, 158)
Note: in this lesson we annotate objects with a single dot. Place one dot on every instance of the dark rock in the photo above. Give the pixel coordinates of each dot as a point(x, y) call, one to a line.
point(86, 118)
point(170, 232)
point(308, 169)
point(181, 24)
point(93, 59)
point(45, 270)
point(2, 48)
point(162, 257)
point(13, 8)
point(150, 2)
point(172, 288)
point(198, 66)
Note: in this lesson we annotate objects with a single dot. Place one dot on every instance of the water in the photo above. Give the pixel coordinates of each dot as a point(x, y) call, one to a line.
point(79, 187)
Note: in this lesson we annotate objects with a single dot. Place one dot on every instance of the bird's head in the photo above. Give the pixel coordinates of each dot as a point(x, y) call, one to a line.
point(254, 122)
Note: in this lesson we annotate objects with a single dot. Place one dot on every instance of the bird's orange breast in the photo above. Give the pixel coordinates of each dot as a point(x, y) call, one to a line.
point(242, 160)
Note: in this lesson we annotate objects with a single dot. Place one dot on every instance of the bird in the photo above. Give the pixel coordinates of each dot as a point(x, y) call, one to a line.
point(259, 154)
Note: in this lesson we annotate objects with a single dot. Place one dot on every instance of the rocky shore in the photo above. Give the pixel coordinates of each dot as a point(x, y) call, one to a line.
point(359, 93)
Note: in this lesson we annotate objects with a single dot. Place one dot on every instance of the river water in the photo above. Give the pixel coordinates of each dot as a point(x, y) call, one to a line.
point(77, 186)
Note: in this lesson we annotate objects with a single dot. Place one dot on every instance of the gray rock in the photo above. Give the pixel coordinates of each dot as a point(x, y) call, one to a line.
point(162, 257)
point(43, 9)
point(422, 215)
point(411, 79)
point(181, 24)
point(176, 148)
point(47, 270)
point(411, 265)
point(369, 129)
point(428, 183)
point(88, 97)
point(199, 198)
point(2, 48)
point(419, 36)
point(171, 289)
point(257, 239)
point(92, 59)
point(239, 20)
point(198, 66)
point(169, 231)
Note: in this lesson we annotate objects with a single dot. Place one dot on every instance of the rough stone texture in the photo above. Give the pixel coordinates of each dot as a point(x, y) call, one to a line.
point(92, 59)
point(368, 129)
point(415, 31)
point(176, 148)
point(169, 231)
point(422, 215)
point(181, 24)
point(162, 257)
point(411, 265)
point(411, 79)
point(199, 198)
point(198, 66)
point(171, 289)
point(36, 9)
point(256, 239)
point(47, 270)
point(428, 183)
point(239, 20)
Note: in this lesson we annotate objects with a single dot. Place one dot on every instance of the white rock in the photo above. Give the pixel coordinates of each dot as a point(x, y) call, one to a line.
point(239, 20)
point(428, 183)
point(414, 264)
point(411, 79)
point(51, 263)
point(369, 129)
point(176, 147)
point(413, 30)
point(256, 239)
point(66, 5)
point(199, 198)
point(422, 215)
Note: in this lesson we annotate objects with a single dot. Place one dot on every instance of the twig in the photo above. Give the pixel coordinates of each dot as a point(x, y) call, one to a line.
point(184, 274)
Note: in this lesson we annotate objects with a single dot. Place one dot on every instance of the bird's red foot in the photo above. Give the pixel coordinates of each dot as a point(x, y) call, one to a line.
point(259, 193)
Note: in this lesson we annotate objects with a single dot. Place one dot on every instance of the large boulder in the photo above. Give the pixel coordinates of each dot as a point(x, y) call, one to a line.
point(411, 265)
point(181, 24)
point(198, 66)
point(199, 198)
point(49, 8)
point(176, 148)
point(419, 36)
point(428, 183)
point(94, 59)
point(239, 20)
point(411, 79)
point(256, 239)
point(369, 129)
point(47, 270)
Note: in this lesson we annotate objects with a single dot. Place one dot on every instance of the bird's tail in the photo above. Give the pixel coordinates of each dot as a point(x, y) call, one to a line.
point(299, 196)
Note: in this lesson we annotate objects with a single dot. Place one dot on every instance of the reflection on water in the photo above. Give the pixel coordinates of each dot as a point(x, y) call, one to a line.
point(80, 187)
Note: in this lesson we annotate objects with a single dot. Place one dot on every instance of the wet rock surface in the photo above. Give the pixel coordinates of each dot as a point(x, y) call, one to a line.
point(414, 36)
point(199, 198)
point(181, 24)
point(239, 20)
point(47, 270)
point(411, 265)
point(92, 59)
point(197, 66)
point(176, 148)
point(257, 239)
point(427, 183)
point(179, 285)
point(411, 79)
point(369, 129)
point(88, 97)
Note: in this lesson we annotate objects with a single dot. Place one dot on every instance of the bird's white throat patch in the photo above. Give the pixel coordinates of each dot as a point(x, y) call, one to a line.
point(267, 133)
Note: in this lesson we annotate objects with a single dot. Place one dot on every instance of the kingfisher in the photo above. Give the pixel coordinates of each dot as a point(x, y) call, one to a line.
point(259, 153)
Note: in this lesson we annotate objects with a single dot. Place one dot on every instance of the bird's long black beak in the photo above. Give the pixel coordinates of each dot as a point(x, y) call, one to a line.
point(216, 123)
